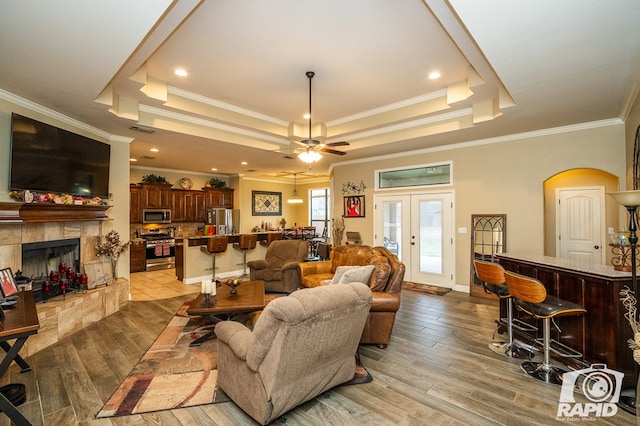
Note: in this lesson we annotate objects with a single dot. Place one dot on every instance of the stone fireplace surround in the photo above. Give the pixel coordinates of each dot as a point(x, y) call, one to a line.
point(61, 316)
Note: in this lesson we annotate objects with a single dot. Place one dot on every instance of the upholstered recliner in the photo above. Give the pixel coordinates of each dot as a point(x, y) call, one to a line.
point(385, 283)
point(300, 346)
point(279, 268)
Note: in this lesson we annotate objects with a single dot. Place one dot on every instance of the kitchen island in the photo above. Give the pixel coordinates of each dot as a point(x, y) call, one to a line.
point(601, 335)
point(193, 265)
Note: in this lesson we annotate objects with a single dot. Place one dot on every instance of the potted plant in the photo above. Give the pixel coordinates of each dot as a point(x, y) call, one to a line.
point(154, 179)
point(215, 183)
point(112, 248)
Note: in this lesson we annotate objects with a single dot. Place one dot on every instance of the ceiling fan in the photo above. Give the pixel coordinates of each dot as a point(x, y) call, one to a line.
point(314, 146)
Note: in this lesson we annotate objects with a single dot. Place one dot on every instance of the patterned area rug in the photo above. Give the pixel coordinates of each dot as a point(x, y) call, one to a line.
point(425, 288)
point(171, 374)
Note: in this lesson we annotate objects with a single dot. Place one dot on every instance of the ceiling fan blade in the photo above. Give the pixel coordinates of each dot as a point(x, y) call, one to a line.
point(308, 142)
point(332, 151)
point(341, 143)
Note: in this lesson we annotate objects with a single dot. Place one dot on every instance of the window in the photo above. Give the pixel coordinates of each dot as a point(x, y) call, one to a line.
point(320, 212)
point(424, 175)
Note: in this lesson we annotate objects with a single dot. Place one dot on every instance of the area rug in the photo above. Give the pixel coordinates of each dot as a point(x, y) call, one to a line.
point(171, 374)
point(425, 288)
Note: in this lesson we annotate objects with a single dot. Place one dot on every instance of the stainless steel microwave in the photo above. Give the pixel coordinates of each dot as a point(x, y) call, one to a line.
point(156, 216)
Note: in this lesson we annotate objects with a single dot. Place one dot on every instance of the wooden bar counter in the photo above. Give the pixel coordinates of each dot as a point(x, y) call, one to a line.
point(601, 335)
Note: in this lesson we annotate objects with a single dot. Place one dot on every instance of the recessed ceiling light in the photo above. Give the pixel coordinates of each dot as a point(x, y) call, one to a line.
point(133, 159)
point(180, 72)
point(244, 163)
point(434, 75)
point(154, 150)
point(213, 169)
point(306, 116)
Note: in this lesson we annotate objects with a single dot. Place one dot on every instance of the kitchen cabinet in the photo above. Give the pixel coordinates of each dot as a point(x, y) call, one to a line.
point(148, 196)
point(156, 195)
point(137, 256)
point(218, 198)
point(187, 206)
point(135, 208)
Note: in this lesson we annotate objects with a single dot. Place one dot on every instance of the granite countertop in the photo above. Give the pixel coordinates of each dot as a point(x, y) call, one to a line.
point(568, 264)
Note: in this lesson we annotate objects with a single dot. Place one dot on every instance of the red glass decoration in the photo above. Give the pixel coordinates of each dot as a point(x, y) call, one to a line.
point(47, 286)
point(63, 285)
point(62, 267)
point(70, 274)
point(53, 276)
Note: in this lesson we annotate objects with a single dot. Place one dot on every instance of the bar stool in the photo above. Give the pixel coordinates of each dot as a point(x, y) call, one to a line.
point(216, 244)
point(246, 242)
point(531, 297)
point(492, 277)
point(271, 237)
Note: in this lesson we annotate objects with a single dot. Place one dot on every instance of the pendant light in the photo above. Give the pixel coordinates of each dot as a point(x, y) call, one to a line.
point(294, 199)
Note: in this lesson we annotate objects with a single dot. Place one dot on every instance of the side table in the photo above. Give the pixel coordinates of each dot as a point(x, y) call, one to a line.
point(19, 323)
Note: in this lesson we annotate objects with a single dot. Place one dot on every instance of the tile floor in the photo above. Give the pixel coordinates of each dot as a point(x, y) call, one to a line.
point(156, 285)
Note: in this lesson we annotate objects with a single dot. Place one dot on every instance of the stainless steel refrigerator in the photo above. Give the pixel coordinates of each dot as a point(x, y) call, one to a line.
point(227, 221)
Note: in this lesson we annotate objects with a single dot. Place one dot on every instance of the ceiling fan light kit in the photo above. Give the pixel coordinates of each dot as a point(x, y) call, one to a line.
point(309, 156)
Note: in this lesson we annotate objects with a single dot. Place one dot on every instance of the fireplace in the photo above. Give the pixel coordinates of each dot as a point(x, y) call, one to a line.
point(39, 259)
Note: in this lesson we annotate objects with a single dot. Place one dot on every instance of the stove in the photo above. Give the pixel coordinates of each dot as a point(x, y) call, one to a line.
point(160, 248)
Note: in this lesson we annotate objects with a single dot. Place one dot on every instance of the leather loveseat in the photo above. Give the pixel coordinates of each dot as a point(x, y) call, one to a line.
point(385, 284)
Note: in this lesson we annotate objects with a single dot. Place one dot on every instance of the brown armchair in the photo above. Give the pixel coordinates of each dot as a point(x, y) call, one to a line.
point(279, 268)
point(385, 284)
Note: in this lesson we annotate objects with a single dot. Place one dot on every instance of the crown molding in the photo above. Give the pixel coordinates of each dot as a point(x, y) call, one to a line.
point(219, 104)
point(210, 124)
point(49, 113)
point(390, 107)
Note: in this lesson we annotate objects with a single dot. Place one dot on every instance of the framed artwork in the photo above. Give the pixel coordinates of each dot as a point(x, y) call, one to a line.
point(8, 287)
point(98, 273)
point(264, 203)
point(353, 206)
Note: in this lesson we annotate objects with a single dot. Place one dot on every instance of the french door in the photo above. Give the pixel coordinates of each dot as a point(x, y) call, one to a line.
point(419, 229)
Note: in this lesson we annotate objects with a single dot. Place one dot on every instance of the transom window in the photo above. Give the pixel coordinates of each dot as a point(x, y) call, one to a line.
point(424, 175)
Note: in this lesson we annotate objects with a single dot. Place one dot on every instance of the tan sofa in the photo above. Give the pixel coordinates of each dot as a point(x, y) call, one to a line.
point(300, 346)
point(385, 284)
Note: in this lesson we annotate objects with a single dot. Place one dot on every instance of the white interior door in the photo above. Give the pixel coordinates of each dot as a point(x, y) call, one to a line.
point(579, 224)
point(420, 228)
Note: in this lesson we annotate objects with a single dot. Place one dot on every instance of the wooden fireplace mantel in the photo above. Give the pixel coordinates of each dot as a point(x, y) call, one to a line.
point(50, 212)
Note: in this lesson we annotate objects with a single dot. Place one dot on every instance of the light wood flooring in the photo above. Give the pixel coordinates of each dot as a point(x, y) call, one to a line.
point(437, 370)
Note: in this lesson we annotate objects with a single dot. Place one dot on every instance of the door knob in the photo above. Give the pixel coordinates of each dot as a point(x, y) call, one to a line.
point(596, 247)
point(413, 243)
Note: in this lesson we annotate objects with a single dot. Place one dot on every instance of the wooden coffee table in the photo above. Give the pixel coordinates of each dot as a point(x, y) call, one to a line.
point(249, 298)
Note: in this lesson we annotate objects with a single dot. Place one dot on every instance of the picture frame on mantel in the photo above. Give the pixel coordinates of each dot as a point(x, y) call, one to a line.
point(266, 203)
point(98, 273)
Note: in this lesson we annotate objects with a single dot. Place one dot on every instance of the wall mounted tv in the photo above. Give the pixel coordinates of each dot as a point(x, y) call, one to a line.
point(45, 158)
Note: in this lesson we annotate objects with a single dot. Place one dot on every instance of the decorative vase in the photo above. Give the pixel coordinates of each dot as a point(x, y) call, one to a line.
point(114, 268)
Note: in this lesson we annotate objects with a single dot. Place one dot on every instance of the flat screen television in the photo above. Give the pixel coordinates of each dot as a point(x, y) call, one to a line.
point(45, 158)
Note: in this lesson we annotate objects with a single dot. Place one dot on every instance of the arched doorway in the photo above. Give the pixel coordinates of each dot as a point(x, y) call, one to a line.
point(578, 178)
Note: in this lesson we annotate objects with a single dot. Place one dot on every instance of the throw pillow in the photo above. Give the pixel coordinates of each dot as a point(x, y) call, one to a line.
point(340, 270)
point(361, 274)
